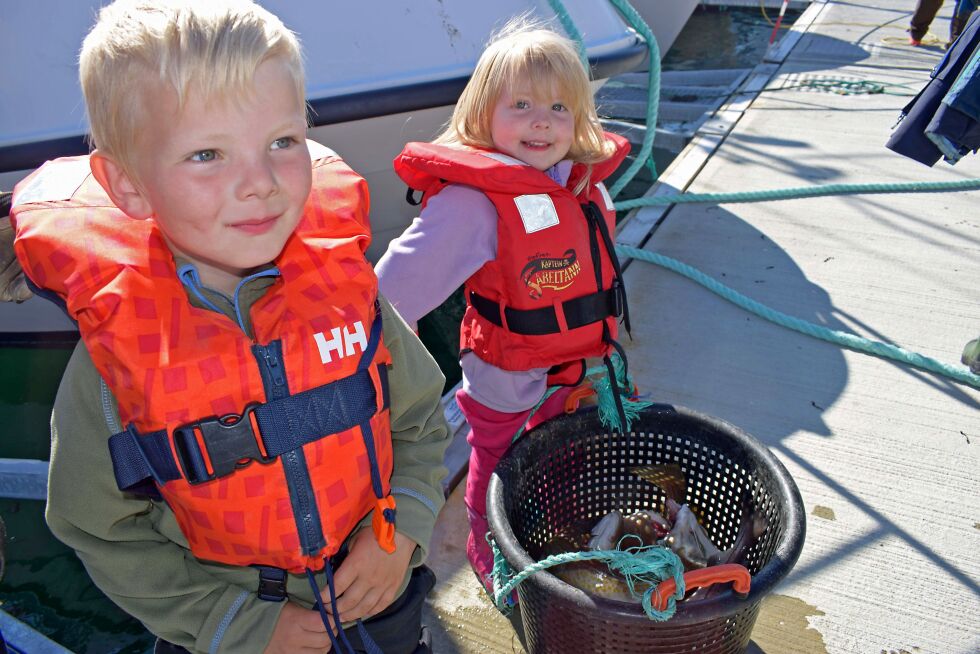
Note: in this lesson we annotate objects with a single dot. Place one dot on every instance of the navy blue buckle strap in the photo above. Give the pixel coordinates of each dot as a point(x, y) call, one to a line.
point(231, 441)
point(137, 457)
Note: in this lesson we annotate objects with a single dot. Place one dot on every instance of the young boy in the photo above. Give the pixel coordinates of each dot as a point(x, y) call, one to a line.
point(232, 352)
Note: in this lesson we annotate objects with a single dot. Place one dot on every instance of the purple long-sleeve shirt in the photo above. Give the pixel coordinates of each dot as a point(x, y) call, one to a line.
point(451, 239)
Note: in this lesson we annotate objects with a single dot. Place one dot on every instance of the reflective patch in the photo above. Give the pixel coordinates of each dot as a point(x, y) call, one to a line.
point(52, 186)
point(503, 158)
point(605, 196)
point(537, 212)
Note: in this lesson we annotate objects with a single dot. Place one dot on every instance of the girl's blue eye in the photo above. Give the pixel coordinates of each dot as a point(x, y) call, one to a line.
point(558, 107)
point(204, 156)
point(522, 104)
point(282, 143)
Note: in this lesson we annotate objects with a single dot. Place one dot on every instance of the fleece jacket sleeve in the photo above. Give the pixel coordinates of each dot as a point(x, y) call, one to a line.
point(419, 432)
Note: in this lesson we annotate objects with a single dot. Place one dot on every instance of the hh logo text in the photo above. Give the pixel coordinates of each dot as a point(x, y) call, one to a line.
point(341, 342)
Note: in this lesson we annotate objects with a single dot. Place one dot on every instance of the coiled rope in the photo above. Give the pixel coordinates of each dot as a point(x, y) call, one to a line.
point(648, 564)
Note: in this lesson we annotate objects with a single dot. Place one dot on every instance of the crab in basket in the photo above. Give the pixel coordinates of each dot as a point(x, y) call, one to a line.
point(676, 527)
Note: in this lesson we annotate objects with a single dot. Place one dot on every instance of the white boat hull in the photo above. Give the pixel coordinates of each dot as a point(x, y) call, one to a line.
point(359, 83)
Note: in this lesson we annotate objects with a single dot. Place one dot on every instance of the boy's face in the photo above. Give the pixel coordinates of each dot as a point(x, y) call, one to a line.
point(532, 125)
point(227, 180)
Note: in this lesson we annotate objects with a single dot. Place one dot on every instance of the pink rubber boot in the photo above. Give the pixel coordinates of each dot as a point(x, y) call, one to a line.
point(491, 433)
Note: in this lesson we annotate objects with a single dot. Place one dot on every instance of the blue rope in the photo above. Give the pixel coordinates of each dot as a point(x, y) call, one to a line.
point(569, 26)
point(644, 157)
point(551, 390)
point(844, 339)
point(800, 192)
point(649, 564)
point(653, 100)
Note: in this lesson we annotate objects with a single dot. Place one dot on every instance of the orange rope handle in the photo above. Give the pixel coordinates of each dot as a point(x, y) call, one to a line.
point(578, 394)
point(716, 574)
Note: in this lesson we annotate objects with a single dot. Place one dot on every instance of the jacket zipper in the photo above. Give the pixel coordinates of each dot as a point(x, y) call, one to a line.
point(301, 496)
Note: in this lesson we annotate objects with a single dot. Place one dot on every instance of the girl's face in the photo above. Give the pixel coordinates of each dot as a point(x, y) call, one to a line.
point(533, 125)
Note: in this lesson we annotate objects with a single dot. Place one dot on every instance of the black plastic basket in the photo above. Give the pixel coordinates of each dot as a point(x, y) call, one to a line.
point(572, 469)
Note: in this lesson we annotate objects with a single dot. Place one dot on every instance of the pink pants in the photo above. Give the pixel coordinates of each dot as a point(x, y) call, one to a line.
point(491, 433)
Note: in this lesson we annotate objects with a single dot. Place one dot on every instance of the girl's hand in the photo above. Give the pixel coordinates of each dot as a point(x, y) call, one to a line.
point(369, 577)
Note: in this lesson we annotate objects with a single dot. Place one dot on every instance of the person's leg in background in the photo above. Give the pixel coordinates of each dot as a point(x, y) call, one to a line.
point(961, 16)
point(925, 12)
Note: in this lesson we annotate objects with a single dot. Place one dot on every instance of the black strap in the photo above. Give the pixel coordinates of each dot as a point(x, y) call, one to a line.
point(578, 312)
point(594, 215)
point(231, 441)
point(410, 197)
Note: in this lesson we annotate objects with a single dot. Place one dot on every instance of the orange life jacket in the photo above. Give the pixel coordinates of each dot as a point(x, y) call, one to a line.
point(269, 450)
point(553, 292)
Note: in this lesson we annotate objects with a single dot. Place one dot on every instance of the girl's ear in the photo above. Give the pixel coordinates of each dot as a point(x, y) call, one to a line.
point(123, 192)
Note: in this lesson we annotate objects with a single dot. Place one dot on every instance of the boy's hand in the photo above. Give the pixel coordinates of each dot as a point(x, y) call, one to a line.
point(298, 630)
point(369, 577)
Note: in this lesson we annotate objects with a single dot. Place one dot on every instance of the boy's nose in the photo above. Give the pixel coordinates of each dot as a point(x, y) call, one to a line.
point(258, 180)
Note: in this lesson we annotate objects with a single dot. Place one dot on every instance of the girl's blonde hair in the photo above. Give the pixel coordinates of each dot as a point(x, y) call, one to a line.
point(212, 47)
point(526, 50)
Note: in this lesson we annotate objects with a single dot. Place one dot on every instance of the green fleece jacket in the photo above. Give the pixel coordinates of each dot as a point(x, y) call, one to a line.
point(135, 552)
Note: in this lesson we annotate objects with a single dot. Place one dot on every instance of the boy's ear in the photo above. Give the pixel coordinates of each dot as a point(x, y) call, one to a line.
point(123, 192)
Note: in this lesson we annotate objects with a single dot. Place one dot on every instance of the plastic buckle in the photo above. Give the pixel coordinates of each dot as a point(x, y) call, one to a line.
point(230, 442)
point(272, 583)
point(618, 298)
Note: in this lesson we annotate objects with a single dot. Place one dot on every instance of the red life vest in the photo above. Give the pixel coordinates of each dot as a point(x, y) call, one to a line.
point(285, 484)
point(552, 294)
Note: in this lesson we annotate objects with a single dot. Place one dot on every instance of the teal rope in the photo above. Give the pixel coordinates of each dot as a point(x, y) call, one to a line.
point(637, 23)
point(840, 338)
point(548, 393)
point(643, 158)
point(800, 192)
point(650, 564)
point(606, 401)
point(569, 26)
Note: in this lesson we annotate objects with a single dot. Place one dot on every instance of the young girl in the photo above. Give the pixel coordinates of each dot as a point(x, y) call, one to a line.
point(514, 207)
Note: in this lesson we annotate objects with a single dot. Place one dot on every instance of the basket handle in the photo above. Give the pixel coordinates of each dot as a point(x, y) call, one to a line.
point(716, 574)
point(578, 394)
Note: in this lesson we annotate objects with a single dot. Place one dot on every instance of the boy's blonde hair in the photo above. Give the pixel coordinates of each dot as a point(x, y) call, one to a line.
point(526, 49)
point(211, 47)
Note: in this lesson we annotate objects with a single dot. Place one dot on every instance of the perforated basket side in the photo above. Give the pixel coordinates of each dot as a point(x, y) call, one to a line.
point(571, 470)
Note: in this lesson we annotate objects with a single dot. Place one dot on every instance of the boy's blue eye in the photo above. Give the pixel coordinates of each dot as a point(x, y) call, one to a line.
point(204, 156)
point(282, 143)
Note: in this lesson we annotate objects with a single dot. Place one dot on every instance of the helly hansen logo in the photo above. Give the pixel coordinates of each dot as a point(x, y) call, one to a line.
point(341, 342)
